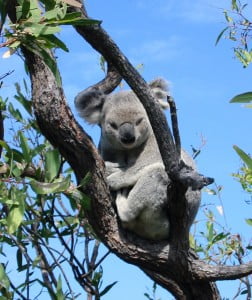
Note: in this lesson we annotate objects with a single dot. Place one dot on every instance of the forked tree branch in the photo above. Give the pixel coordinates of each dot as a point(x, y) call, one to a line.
point(98, 38)
point(169, 263)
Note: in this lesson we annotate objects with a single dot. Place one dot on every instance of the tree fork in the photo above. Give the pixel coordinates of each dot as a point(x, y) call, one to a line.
point(169, 263)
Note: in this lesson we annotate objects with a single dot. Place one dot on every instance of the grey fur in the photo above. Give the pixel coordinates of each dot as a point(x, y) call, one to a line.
point(134, 168)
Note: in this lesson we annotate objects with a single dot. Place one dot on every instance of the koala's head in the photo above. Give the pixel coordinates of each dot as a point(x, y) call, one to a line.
point(121, 116)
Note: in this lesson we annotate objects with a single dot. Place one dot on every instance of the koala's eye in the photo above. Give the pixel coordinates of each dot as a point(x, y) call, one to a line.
point(139, 121)
point(113, 125)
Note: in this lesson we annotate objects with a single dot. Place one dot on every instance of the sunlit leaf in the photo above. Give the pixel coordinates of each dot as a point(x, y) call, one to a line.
point(16, 213)
point(43, 188)
point(59, 293)
point(234, 5)
point(73, 3)
point(35, 10)
point(244, 156)
point(52, 164)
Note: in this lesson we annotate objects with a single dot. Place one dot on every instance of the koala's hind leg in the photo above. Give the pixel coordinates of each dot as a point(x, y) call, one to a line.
point(144, 209)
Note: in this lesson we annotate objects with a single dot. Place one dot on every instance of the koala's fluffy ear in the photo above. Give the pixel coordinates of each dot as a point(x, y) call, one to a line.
point(89, 104)
point(159, 89)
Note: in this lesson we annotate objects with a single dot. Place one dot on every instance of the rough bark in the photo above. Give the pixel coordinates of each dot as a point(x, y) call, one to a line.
point(170, 263)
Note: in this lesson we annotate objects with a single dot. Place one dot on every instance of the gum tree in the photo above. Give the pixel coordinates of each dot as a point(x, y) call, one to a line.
point(172, 264)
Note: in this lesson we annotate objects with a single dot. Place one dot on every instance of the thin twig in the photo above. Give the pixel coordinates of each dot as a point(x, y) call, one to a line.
point(175, 127)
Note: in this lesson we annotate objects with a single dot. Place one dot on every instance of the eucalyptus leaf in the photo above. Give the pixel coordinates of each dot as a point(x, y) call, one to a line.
point(245, 157)
point(249, 221)
point(16, 213)
point(25, 147)
point(52, 164)
point(242, 98)
point(4, 280)
point(59, 293)
point(107, 288)
point(54, 42)
point(221, 34)
point(43, 188)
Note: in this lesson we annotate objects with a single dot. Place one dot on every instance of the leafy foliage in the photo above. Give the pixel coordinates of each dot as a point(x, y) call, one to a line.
point(238, 30)
point(42, 211)
point(35, 27)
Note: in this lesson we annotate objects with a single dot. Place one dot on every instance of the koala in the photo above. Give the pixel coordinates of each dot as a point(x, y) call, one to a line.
point(134, 167)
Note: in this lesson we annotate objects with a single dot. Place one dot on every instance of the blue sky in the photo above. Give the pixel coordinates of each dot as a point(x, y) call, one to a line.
point(175, 40)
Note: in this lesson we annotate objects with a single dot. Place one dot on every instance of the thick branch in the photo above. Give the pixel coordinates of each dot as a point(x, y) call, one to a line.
point(203, 271)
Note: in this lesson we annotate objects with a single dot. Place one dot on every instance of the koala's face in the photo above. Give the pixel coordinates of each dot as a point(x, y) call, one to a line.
point(124, 122)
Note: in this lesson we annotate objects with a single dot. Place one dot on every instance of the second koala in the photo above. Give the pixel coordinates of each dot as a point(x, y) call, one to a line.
point(134, 168)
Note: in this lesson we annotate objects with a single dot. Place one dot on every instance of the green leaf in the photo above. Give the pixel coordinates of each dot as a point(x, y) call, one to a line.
point(25, 9)
point(52, 164)
point(77, 197)
point(242, 98)
point(19, 258)
point(220, 35)
point(59, 293)
point(54, 42)
point(27, 104)
point(249, 221)
point(4, 280)
point(107, 288)
point(234, 5)
point(35, 10)
point(210, 233)
point(16, 213)
point(78, 21)
point(15, 112)
point(51, 14)
point(25, 147)
point(43, 188)
point(245, 157)
point(219, 237)
point(40, 29)
point(86, 179)
point(227, 17)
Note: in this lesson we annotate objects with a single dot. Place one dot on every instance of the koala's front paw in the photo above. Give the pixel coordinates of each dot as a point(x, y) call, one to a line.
point(111, 168)
point(115, 180)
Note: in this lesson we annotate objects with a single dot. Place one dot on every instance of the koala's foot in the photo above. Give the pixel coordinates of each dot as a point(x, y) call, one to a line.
point(123, 209)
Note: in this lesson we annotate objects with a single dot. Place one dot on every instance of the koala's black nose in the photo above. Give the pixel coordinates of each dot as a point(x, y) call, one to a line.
point(127, 133)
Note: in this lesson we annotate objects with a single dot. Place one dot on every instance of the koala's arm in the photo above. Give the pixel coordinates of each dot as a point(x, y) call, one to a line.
point(124, 178)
